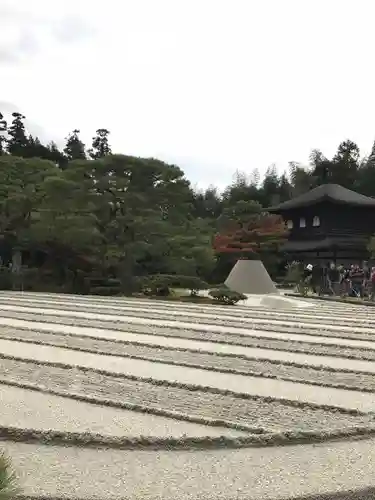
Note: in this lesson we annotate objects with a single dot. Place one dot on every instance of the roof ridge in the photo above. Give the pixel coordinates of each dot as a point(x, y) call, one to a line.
point(335, 192)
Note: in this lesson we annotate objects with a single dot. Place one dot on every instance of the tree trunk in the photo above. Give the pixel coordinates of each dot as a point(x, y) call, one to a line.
point(16, 268)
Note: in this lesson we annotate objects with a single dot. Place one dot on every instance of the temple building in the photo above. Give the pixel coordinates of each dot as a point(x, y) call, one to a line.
point(328, 223)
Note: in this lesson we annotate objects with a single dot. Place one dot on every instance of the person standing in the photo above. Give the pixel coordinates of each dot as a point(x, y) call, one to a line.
point(372, 278)
point(366, 279)
point(334, 279)
point(317, 279)
point(357, 277)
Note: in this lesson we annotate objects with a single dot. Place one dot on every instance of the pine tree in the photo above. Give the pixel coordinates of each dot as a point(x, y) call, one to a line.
point(35, 149)
point(3, 132)
point(55, 155)
point(345, 164)
point(100, 144)
point(371, 158)
point(366, 175)
point(74, 148)
point(322, 168)
point(18, 141)
point(271, 187)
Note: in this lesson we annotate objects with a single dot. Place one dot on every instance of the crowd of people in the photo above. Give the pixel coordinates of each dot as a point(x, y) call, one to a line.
point(354, 281)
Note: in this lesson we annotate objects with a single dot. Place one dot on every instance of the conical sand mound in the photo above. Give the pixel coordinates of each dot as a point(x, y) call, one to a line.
point(250, 277)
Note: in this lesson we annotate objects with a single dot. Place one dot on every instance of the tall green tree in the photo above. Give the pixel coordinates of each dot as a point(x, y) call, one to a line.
point(366, 175)
point(74, 147)
point(35, 149)
point(345, 164)
point(301, 179)
point(3, 132)
point(322, 169)
point(271, 187)
point(137, 201)
point(21, 194)
point(55, 155)
point(100, 144)
point(17, 139)
point(207, 204)
point(65, 229)
point(285, 188)
point(243, 188)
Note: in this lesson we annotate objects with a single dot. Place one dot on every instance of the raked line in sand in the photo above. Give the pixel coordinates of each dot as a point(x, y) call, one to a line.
point(159, 371)
point(169, 323)
point(27, 409)
point(148, 336)
point(177, 310)
point(361, 313)
point(121, 298)
point(211, 347)
point(208, 318)
point(251, 474)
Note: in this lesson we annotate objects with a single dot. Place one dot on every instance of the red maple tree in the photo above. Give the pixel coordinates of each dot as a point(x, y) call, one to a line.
point(261, 233)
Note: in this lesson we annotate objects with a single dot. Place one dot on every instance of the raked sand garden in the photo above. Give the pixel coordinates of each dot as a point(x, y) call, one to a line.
point(140, 399)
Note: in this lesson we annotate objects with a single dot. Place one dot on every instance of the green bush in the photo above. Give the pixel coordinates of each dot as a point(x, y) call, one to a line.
point(6, 278)
point(294, 272)
point(162, 284)
point(193, 283)
point(8, 480)
point(105, 290)
point(158, 284)
point(226, 296)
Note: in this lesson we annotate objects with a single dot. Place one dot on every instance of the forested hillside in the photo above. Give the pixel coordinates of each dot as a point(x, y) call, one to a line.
point(80, 212)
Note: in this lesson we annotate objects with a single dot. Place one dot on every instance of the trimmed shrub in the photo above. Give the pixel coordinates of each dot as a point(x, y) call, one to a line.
point(105, 290)
point(226, 296)
point(103, 286)
point(193, 283)
point(294, 273)
point(6, 278)
point(161, 284)
point(8, 480)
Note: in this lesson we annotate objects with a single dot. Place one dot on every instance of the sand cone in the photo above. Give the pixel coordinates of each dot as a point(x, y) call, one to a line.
point(250, 277)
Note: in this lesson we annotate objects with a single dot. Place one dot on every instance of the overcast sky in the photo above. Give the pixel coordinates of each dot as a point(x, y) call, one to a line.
point(212, 85)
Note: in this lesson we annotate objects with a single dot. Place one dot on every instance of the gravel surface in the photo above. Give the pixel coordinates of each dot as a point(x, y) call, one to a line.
point(255, 413)
point(334, 335)
point(195, 318)
point(319, 308)
point(173, 328)
point(170, 336)
point(208, 313)
point(157, 371)
point(113, 322)
point(250, 474)
point(212, 360)
point(29, 409)
point(223, 337)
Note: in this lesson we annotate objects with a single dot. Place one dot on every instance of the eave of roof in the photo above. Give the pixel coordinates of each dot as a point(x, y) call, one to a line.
point(326, 192)
point(325, 243)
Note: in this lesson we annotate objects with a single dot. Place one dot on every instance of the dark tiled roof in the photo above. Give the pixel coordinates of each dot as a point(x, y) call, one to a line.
point(333, 192)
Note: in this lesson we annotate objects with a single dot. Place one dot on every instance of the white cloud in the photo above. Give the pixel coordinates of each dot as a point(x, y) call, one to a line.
point(213, 85)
